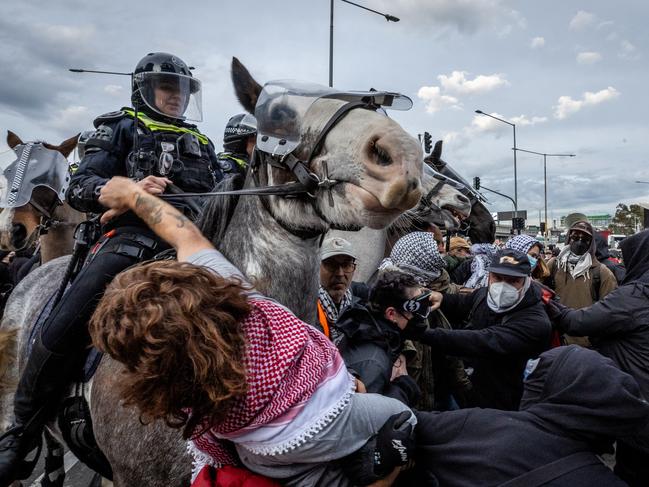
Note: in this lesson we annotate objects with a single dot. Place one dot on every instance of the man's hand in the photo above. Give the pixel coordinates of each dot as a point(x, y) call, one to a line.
point(116, 195)
point(435, 300)
point(399, 367)
point(153, 184)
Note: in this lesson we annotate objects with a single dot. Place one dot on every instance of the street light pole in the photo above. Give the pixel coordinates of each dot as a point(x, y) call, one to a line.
point(388, 18)
point(545, 183)
point(513, 125)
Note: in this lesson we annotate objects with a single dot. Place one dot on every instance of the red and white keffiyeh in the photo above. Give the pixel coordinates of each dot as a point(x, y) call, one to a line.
point(297, 385)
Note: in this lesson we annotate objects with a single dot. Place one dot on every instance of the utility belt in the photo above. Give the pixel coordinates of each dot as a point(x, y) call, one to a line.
point(131, 243)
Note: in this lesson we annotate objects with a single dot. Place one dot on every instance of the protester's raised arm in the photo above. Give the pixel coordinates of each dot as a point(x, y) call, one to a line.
point(122, 194)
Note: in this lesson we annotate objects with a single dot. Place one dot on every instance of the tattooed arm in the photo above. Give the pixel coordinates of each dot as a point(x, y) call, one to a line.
point(121, 194)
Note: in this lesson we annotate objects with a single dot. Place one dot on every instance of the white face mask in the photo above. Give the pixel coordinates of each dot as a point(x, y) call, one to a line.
point(502, 296)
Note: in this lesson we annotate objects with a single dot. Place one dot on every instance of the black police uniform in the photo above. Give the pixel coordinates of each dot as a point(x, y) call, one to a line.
point(57, 351)
point(232, 164)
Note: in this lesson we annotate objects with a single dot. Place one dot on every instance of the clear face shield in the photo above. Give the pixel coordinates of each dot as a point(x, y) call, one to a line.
point(283, 107)
point(29, 167)
point(171, 95)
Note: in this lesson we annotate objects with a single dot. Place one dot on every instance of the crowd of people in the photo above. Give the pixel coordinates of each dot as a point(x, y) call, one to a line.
point(457, 364)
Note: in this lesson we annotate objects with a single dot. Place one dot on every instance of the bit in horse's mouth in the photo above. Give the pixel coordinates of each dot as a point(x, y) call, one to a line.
point(457, 214)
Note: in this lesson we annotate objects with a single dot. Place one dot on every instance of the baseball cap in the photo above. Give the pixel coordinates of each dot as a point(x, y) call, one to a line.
point(459, 243)
point(510, 262)
point(582, 226)
point(336, 246)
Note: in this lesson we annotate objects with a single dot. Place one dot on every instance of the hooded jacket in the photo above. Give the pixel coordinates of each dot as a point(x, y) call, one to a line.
point(565, 410)
point(602, 254)
point(370, 345)
point(497, 344)
point(579, 293)
point(618, 325)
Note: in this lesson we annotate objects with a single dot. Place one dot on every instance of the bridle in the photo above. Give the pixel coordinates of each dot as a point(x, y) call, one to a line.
point(307, 182)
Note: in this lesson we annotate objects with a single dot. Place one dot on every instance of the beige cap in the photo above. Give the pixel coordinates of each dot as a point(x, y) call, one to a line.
point(336, 246)
point(459, 243)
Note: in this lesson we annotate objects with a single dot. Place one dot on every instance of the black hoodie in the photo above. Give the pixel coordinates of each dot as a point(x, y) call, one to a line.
point(564, 410)
point(497, 344)
point(618, 325)
point(602, 254)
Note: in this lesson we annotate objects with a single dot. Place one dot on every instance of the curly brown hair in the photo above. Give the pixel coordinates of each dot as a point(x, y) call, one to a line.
point(176, 327)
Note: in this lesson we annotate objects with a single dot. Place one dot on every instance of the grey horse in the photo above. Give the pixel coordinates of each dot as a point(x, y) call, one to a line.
point(377, 166)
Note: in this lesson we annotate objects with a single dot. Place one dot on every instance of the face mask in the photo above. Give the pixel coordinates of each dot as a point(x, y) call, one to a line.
point(579, 247)
point(503, 295)
point(533, 261)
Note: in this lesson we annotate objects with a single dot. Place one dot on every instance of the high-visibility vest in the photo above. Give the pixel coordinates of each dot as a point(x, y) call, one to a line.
point(324, 322)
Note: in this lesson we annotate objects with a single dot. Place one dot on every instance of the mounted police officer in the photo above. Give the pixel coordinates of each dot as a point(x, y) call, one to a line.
point(238, 143)
point(166, 154)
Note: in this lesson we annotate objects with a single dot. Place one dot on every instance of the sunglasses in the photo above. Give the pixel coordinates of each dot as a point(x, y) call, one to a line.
point(419, 306)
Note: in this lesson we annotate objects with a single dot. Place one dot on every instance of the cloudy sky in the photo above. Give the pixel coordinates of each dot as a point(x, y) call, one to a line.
point(571, 75)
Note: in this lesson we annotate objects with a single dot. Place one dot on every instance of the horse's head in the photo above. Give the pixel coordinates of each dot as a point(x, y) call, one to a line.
point(375, 163)
point(19, 224)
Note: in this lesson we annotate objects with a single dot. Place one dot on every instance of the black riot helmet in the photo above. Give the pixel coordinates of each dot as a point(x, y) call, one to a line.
point(237, 131)
point(163, 84)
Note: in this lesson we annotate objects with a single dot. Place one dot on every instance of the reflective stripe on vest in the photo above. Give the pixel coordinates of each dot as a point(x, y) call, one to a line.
point(240, 162)
point(322, 318)
point(153, 126)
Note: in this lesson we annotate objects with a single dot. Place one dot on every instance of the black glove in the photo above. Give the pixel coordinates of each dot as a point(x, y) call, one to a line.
point(391, 447)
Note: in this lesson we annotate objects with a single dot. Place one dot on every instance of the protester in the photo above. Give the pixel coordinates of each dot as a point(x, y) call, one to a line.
point(482, 255)
point(575, 404)
point(442, 379)
point(618, 327)
point(506, 325)
point(533, 248)
point(239, 373)
point(459, 250)
point(337, 291)
point(577, 276)
point(604, 257)
point(372, 341)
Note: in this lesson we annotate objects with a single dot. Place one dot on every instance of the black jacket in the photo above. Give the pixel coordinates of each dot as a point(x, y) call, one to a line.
point(565, 410)
point(497, 344)
point(618, 325)
point(370, 346)
point(602, 254)
point(106, 156)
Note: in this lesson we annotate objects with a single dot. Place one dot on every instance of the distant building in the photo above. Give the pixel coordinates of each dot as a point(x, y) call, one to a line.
point(597, 221)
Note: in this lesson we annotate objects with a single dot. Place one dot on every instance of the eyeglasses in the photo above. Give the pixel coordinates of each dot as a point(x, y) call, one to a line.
point(333, 266)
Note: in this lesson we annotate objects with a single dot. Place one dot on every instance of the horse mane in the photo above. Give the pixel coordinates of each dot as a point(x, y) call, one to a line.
point(218, 211)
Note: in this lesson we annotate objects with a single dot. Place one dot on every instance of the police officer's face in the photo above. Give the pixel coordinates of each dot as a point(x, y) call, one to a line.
point(169, 100)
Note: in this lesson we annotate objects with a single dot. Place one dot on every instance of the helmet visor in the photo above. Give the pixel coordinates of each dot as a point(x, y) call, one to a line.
point(171, 95)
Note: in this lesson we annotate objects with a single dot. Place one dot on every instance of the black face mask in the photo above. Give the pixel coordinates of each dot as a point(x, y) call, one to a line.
point(579, 247)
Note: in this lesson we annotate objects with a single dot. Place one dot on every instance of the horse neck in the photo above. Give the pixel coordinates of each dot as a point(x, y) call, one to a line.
point(59, 240)
point(281, 265)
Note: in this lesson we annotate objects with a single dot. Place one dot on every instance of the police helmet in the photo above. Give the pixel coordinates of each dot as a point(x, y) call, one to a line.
point(237, 131)
point(165, 85)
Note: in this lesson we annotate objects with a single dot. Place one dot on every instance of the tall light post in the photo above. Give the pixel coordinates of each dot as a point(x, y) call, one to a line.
point(388, 17)
point(513, 125)
point(545, 182)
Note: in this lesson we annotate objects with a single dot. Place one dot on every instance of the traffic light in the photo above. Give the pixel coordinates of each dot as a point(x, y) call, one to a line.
point(518, 223)
point(543, 228)
point(428, 142)
point(476, 182)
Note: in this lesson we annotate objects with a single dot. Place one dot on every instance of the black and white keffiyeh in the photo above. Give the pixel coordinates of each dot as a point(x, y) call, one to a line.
point(331, 310)
point(482, 254)
point(417, 254)
point(522, 243)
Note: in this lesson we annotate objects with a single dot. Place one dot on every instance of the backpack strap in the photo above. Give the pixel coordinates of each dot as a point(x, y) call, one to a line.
point(596, 282)
point(553, 470)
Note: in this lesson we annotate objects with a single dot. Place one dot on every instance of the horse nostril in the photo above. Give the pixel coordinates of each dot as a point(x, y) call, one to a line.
point(463, 199)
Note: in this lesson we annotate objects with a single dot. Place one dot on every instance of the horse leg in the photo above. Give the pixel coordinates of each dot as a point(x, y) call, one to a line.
point(54, 466)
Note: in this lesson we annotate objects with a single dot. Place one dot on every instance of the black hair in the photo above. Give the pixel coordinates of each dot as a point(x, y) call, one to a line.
point(390, 289)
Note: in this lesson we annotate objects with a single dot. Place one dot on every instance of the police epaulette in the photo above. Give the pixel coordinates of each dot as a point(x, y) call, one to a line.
point(109, 117)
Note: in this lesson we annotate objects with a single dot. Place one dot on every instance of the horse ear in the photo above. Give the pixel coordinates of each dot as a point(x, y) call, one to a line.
point(437, 151)
point(67, 146)
point(12, 139)
point(245, 87)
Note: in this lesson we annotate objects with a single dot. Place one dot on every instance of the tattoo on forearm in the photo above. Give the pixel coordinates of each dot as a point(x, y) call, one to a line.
point(150, 210)
point(182, 219)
